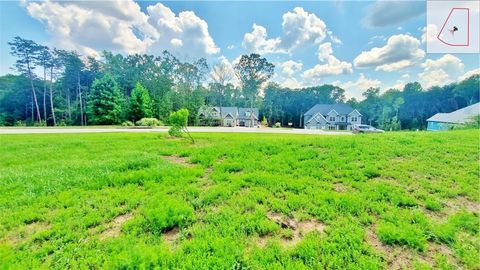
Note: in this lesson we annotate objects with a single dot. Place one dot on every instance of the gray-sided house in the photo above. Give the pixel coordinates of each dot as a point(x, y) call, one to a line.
point(228, 116)
point(338, 116)
point(443, 121)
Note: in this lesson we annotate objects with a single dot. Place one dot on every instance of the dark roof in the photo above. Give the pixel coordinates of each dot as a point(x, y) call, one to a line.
point(242, 113)
point(324, 109)
point(228, 110)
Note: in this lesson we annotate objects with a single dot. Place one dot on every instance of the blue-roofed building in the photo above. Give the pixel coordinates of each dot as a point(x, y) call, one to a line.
point(338, 116)
point(443, 121)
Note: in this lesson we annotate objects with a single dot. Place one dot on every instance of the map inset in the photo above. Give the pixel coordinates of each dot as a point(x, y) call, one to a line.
point(452, 27)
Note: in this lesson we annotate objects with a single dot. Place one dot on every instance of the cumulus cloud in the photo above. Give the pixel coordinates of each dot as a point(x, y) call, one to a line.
point(357, 88)
point(469, 74)
point(187, 30)
point(291, 83)
point(401, 51)
point(286, 74)
point(430, 33)
point(330, 64)
point(299, 28)
point(400, 83)
point(121, 26)
point(257, 41)
point(223, 70)
point(290, 68)
point(442, 71)
point(387, 13)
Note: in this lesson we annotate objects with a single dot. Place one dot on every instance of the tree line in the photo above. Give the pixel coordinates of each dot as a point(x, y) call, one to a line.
point(58, 87)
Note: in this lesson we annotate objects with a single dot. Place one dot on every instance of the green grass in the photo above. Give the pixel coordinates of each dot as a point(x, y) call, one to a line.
point(142, 201)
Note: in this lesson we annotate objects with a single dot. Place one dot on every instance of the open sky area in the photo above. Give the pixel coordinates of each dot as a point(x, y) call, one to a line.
point(352, 44)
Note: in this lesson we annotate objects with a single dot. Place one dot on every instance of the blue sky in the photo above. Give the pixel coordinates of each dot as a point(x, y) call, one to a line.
point(354, 44)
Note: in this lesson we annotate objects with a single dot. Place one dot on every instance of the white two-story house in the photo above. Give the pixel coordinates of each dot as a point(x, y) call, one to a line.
point(228, 116)
point(338, 116)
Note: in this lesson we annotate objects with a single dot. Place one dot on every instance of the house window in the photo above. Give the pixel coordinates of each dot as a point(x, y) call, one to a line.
point(354, 119)
point(332, 118)
point(342, 119)
point(331, 127)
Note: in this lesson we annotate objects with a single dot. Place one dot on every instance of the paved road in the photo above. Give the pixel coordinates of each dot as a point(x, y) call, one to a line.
point(52, 130)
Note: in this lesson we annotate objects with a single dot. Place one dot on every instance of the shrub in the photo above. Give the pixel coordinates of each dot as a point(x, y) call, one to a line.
point(179, 120)
point(20, 123)
point(128, 124)
point(277, 125)
point(149, 122)
point(264, 122)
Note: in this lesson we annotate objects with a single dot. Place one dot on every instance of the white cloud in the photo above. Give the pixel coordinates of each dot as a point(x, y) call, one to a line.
point(431, 30)
point(442, 71)
point(331, 66)
point(356, 88)
point(257, 41)
point(187, 27)
point(375, 38)
point(385, 13)
point(286, 74)
point(223, 69)
point(469, 74)
point(299, 28)
point(291, 83)
point(121, 26)
point(290, 68)
point(400, 83)
point(401, 51)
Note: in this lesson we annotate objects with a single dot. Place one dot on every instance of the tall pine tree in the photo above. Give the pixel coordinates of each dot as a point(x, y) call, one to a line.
point(140, 103)
point(105, 106)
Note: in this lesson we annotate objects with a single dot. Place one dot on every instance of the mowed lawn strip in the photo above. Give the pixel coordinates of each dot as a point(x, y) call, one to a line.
point(405, 200)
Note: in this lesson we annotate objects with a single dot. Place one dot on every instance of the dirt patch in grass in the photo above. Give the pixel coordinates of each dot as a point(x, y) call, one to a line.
point(205, 182)
point(178, 160)
point(339, 187)
point(398, 257)
point(395, 257)
point(298, 229)
point(456, 204)
point(172, 235)
point(25, 232)
point(115, 226)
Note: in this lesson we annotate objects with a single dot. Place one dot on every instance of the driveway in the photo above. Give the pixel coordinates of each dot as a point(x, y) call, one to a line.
point(55, 130)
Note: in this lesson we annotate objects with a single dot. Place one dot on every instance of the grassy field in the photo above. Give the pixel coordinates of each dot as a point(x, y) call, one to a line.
point(240, 201)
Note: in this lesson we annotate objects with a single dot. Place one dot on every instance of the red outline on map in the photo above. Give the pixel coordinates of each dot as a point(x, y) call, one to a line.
point(468, 28)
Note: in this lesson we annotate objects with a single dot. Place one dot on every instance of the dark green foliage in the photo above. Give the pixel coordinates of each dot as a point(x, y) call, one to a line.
point(140, 104)
point(105, 102)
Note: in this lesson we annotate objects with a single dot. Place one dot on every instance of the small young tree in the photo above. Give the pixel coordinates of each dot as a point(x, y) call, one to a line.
point(105, 106)
point(178, 121)
point(140, 105)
